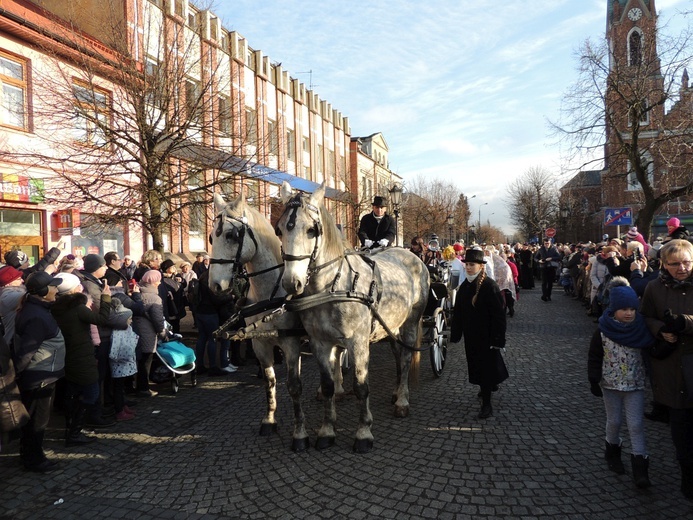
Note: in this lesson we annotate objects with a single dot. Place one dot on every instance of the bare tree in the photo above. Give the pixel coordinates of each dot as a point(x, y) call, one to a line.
point(532, 201)
point(427, 205)
point(618, 105)
point(142, 125)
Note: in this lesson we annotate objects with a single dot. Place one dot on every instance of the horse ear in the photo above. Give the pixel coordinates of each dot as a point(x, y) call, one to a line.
point(318, 195)
point(285, 192)
point(219, 203)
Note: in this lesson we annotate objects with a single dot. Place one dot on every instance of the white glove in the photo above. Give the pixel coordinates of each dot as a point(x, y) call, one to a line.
point(368, 243)
point(383, 242)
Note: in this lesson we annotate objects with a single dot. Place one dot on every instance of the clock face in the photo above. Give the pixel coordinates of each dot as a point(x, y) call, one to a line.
point(635, 14)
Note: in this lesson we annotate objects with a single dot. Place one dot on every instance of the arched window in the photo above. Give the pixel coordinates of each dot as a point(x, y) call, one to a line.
point(635, 47)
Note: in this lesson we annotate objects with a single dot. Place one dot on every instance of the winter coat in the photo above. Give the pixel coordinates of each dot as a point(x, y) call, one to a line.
point(372, 229)
point(176, 291)
point(615, 366)
point(165, 294)
point(668, 385)
point(680, 233)
point(152, 324)
point(128, 272)
point(10, 296)
point(209, 302)
point(542, 254)
point(39, 346)
point(74, 318)
point(598, 271)
point(49, 258)
point(113, 277)
point(483, 326)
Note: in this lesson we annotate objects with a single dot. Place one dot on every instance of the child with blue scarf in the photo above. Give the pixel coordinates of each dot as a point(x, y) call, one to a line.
point(616, 372)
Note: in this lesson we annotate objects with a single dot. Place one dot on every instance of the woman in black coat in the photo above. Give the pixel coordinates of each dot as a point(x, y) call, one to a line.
point(479, 315)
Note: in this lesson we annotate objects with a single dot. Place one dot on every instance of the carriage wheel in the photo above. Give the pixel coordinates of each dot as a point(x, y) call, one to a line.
point(438, 338)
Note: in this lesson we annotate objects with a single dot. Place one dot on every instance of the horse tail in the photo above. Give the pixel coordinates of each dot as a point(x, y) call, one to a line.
point(416, 357)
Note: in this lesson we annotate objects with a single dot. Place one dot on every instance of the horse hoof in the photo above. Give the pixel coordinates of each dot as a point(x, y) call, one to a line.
point(363, 445)
point(324, 442)
point(401, 411)
point(300, 445)
point(267, 429)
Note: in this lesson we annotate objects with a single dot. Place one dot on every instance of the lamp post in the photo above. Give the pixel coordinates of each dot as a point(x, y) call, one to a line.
point(396, 198)
point(565, 214)
point(451, 221)
point(484, 204)
point(467, 215)
point(470, 235)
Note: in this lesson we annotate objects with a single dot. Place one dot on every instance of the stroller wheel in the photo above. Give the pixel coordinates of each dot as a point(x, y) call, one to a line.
point(174, 385)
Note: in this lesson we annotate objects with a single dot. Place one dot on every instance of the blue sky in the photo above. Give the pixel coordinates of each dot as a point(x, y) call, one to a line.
point(460, 90)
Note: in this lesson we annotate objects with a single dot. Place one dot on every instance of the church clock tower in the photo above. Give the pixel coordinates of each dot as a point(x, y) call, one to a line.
point(634, 102)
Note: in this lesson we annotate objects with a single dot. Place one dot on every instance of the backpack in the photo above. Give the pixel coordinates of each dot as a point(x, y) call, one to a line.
point(193, 294)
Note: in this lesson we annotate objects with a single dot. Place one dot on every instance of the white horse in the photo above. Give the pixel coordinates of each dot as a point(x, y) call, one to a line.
point(243, 238)
point(347, 300)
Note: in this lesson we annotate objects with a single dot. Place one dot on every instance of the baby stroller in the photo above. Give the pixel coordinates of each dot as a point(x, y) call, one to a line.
point(566, 281)
point(172, 360)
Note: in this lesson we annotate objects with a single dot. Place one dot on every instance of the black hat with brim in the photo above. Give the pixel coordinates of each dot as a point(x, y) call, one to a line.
point(475, 256)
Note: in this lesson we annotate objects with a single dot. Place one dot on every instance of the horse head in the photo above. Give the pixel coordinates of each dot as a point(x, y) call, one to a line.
point(233, 241)
point(300, 229)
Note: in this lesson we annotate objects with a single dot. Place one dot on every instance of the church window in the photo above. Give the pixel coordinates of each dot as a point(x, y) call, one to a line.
point(632, 180)
point(635, 48)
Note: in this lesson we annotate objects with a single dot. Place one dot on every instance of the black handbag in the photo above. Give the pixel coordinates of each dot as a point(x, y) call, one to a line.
point(661, 349)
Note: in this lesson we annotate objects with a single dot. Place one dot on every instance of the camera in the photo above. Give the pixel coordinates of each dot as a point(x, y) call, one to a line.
point(636, 254)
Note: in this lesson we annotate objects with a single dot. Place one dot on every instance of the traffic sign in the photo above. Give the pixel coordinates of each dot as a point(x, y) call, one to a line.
point(550, 232)
point(618, 217)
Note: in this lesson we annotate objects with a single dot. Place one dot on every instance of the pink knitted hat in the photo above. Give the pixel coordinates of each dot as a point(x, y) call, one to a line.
point(673, 222)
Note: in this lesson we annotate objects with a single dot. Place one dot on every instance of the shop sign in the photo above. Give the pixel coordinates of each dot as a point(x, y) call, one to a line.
point(21, 189)
point(68, 222)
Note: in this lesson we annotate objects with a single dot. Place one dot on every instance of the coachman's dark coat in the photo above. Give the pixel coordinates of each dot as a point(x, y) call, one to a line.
point(483, 326)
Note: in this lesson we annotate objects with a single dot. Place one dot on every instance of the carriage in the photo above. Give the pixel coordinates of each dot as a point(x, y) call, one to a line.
point(438, 313)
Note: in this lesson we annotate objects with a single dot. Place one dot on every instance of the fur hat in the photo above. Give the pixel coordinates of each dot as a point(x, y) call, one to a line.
point(673, 222)
point(9, 274)
point(68, 282)
point(474, 256)
point(621, 295)
point(16, 258)
point(92, 262)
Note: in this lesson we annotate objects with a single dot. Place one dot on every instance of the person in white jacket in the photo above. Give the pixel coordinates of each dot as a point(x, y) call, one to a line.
point(598, 273)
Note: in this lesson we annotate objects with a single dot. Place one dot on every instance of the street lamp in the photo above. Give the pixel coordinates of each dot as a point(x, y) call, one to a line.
point(470, 235)
point(484, 204)
point(396, 198)
point(451, 221)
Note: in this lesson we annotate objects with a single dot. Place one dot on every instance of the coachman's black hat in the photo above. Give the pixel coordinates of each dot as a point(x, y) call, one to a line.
point(379, 201)
point(475, 256)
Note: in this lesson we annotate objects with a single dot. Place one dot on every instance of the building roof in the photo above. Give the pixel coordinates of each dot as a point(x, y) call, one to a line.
point(585, 179)
point(622, 3)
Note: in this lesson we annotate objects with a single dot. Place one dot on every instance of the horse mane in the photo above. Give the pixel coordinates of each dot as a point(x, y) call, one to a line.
point(334, 242)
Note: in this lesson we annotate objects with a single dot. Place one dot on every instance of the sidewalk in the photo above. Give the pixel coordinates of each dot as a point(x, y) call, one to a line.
point(197, 454)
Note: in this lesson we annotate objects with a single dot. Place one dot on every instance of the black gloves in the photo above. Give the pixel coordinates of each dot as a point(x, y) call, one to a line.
point(673, 323)
point(596, 390)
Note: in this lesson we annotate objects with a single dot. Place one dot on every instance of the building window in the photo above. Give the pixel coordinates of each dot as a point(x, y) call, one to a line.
point(641, 111)
point(635, 48)
point(290, 145)
point(193, 101)
point(91, 115)
point(179, 8)
point(251, 126)
point(306, 145)
point(272, 138)
point(632, 180)
point(224, 115)
point(14, 88)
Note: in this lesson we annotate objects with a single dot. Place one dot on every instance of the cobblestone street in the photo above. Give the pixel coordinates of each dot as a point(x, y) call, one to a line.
point(197, 454)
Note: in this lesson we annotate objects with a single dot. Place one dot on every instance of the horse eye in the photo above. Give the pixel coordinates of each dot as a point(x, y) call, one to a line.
point(210, 240)
point(312, 232)
point(229, 235)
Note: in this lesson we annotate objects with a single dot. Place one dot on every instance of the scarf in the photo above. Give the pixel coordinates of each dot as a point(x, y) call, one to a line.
point(471, 277)
point(633, 335)
point(672, 283)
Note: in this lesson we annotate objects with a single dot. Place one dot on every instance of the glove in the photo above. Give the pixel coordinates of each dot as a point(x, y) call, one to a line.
point(596, 390)
point(383, 242)
point(368, 243)
point(673, 323)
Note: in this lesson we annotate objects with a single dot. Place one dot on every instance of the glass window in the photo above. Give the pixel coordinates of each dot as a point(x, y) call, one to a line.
point(90, 116)
point(290, 145)
point(224, 115)
point(20, 223)
point(193, 100)
point(13, 89)
point(272, 141)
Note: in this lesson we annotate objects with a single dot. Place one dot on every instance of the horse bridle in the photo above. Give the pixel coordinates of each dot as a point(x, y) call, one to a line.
point(239, 234)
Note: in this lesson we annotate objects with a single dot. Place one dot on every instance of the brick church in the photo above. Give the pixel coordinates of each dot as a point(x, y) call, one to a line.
point(648, 129)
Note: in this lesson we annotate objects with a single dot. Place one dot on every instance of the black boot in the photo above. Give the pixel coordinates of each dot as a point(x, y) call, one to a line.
point(74, 435)
point(640, 464)
point(612, 454)
point(687, 480)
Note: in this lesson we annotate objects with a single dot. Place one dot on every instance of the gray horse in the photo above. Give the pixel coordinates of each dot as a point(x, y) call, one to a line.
point(348, 301)
point(244, 238)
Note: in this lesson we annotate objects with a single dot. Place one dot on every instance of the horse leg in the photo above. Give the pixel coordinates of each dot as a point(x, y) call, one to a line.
point(337, 376)
point(363, 441)
point(410, 335)
point(326, 434)
point(292, 354)
point(265, 355)
point(397, 352)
